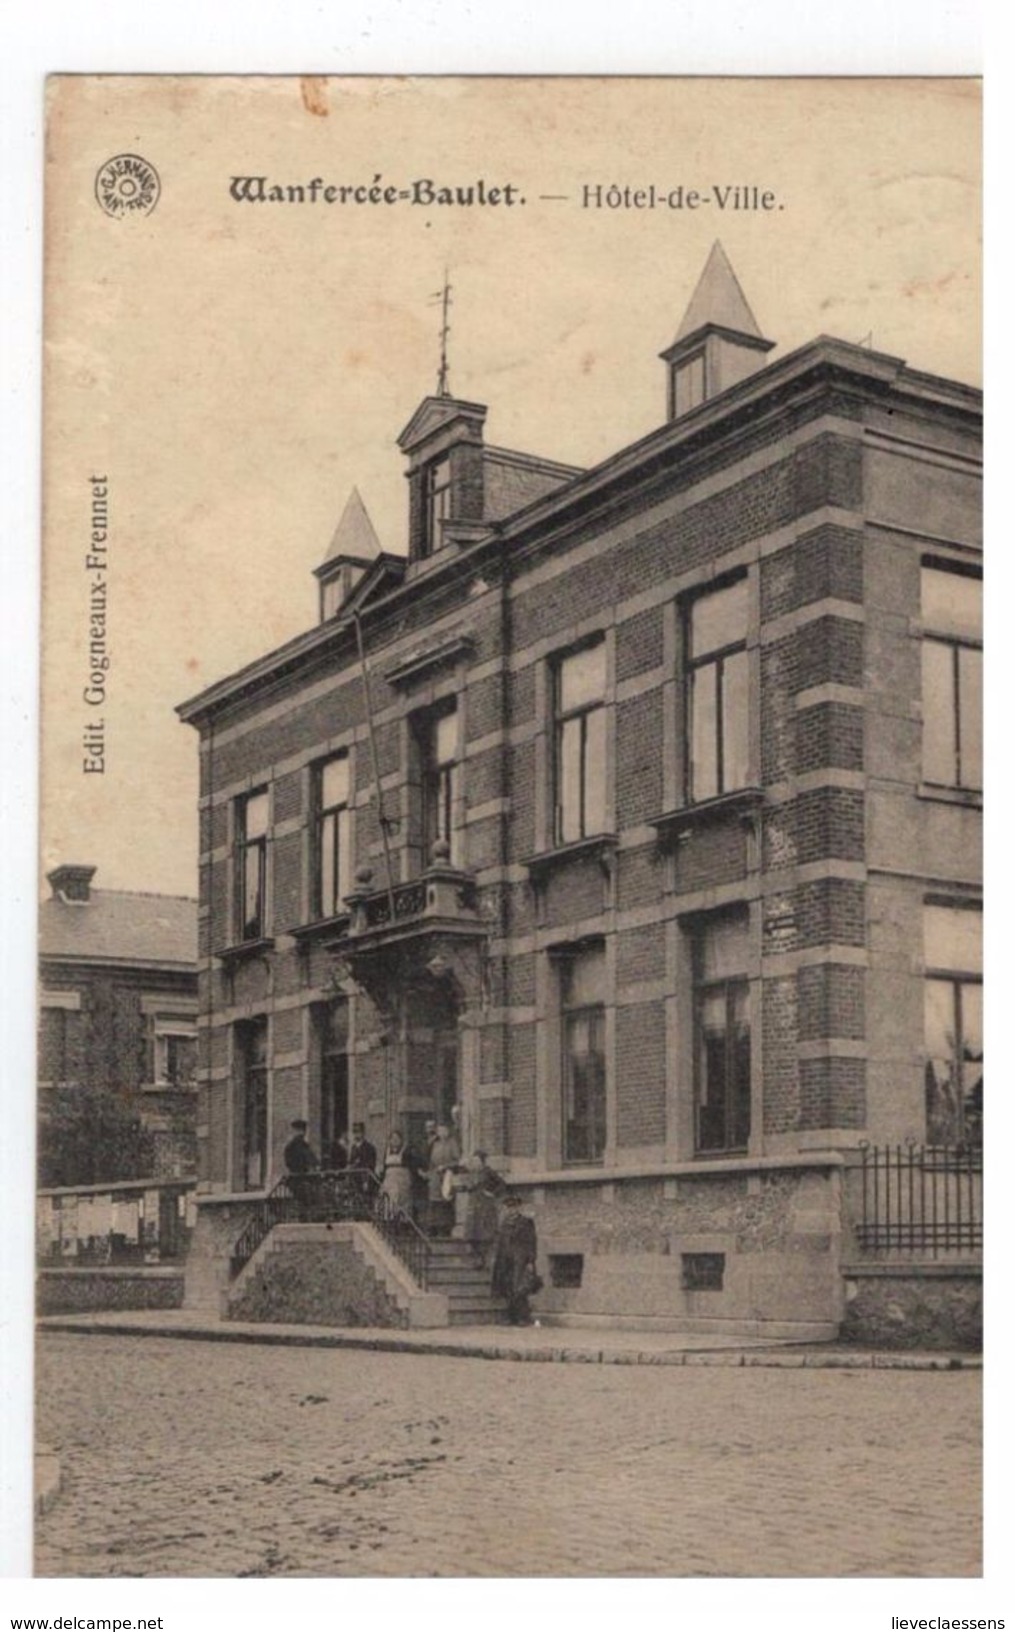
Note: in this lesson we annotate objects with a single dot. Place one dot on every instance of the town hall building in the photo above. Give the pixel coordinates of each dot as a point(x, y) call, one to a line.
point(630, 819)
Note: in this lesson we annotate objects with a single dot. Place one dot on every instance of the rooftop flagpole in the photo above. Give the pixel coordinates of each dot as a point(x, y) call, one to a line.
point(381, 814)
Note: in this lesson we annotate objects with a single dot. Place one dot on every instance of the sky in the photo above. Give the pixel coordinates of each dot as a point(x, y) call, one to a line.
point(234, 369)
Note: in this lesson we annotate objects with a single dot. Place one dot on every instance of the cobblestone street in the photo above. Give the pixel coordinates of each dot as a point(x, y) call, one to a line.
point(192, 1458)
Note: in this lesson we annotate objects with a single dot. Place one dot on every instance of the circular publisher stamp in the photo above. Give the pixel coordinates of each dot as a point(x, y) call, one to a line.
point(127, 185)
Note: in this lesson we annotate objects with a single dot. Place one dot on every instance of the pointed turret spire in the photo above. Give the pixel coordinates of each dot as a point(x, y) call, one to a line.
point(354, 547)
point(718, 299)
point(718, 343)
point(354, 536)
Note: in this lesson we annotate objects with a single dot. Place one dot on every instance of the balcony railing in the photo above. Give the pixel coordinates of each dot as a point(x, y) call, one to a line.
point(340, 1197)
point(924, 1200)
point(443, 893)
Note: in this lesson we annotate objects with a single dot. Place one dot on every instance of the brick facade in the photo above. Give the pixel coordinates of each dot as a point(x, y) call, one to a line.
point(767, 487)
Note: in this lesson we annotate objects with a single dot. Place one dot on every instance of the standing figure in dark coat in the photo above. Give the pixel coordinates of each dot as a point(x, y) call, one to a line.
point(362, 1167)
point(300, 1165)
point(514, 1263)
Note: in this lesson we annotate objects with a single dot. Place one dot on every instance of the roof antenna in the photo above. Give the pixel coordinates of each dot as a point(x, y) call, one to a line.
point(444, 296)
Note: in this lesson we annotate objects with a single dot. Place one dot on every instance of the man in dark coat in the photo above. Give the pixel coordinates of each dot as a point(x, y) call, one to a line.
point(514, 1263)
point(300, 1164)
point(362, 1166)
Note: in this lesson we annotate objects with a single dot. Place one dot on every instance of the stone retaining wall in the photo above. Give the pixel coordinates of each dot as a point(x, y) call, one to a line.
point(82, 1291)
point(919, 1306)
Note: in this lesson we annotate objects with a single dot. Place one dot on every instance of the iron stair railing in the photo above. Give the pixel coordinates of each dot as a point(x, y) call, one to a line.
point(346, 1196)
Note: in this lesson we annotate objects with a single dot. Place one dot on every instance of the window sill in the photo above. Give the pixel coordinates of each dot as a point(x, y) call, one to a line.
point(602, 846)
point(245, 949)
point(323, 930)
point(742, 802)
point(938, 793)
point(169, 1087)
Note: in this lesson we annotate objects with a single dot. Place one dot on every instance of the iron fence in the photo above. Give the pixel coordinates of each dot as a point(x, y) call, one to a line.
point(920, 1199)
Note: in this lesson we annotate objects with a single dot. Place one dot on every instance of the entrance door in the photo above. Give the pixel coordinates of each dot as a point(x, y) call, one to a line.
point(446, 1074)
point(334, 1105)
point(432, 1056)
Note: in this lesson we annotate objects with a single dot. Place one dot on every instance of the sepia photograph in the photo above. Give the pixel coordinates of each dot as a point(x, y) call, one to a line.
point(510, 1029)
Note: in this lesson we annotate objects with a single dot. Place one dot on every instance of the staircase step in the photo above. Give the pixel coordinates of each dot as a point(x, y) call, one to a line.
point(458, 1277)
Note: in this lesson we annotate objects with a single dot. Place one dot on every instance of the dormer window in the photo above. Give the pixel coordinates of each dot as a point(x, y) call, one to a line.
point(353, 551)
point(688, 384)
point(332, 597)
point(437, 494)
point(719, 342)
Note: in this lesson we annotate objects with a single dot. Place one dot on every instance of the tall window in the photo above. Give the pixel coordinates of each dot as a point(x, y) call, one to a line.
point(580, 745)
point(953, 1025)
point(252, 1081)
point(437, 503)
point(333, 1022)
point(951, 607)
point(717, 709)
point(251, 870)
point(437, 736)
point(583, 981)
point(722, 1037)
point(333, 854)
point(57, 1028)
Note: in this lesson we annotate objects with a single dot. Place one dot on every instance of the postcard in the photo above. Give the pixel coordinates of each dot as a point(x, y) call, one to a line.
point(510, 995)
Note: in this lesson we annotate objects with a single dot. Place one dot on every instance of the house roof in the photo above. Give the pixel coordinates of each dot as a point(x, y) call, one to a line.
point(121, 926)
point(718, 299)
point(664, 447)
point(354, 538)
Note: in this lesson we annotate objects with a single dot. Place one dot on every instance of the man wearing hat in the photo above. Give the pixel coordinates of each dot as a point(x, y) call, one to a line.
point(514, 1264)
point(300, 1164)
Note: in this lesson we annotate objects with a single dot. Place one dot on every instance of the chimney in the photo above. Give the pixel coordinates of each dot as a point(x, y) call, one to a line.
point(718, 343)
point(72, 883)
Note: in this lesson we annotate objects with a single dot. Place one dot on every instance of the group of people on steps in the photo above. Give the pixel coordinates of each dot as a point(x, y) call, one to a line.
point(422, 1182)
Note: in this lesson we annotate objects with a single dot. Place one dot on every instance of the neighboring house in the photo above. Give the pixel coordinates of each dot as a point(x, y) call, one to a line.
point(117, 1031)
point(657, 849)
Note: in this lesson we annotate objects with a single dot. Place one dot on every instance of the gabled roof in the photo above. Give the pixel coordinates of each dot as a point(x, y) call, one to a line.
point(385, 573)
point(719, 300)
point(434, 413)
point(354, 538)
point(121, 926)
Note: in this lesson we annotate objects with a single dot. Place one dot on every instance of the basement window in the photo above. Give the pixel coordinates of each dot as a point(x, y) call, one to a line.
point(566, 1269)
point(702, 1271)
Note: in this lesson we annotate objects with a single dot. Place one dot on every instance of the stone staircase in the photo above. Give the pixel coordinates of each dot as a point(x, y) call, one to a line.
point(455, 1273)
